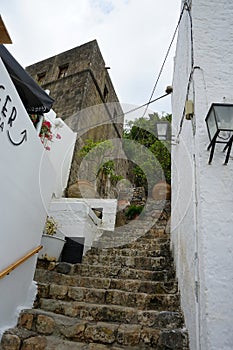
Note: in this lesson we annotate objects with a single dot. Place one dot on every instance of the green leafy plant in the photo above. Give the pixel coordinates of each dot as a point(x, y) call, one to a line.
point(97, 156)
point(108, 167)
point(115, 178)
point(133, 211)
point(156, 163)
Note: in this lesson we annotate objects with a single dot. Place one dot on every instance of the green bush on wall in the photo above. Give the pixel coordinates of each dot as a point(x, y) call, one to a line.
point(133, 211)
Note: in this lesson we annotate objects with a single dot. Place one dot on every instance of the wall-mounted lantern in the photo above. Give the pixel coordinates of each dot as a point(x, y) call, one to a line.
point(163, 130)
point(219, 122)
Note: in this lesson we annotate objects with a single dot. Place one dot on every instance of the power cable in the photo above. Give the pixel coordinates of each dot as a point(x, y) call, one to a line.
point(155, 85)
point(187, 7)
point(123, 114)
point(165, 59)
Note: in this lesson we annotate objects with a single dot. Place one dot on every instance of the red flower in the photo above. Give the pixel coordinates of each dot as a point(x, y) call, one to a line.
point(46, 123)
point(46, 134)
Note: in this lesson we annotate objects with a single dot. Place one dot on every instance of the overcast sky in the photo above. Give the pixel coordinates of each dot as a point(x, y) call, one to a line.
point(133, 36)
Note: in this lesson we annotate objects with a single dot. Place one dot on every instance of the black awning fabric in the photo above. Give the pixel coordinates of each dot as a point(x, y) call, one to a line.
point(34, 98)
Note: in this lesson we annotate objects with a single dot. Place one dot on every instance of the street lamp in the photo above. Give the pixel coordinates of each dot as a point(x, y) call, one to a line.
point(219, 122)
point(163, 130)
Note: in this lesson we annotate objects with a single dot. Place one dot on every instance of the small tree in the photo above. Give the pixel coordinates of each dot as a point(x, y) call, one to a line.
point(155, 164)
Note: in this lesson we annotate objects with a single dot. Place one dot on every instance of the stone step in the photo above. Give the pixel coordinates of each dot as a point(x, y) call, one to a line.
point(99, 271)
point(148, 244)
point(154, 320)
point(137, 225)
point(124, 295)
point(38, 329)
point(53, 343)
point(110, 296)
point(139, 229)
point(157, 250)
point(128, 239)
point(116, 315)
point(137, 262)
point(45, 278)
point(105, 312)
point(147, 228)
point(142, 242)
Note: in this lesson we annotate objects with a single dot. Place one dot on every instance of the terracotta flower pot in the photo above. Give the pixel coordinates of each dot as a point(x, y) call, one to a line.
point(161, 191)
point(81, 189)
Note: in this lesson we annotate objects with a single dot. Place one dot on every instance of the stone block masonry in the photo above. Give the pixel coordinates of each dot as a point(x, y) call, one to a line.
point(79, 83)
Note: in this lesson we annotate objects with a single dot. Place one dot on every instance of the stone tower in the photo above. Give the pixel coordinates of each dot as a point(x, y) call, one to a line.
point(84, 95)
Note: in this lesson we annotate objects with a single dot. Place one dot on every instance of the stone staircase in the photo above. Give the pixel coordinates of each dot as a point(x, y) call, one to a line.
point(120, 297)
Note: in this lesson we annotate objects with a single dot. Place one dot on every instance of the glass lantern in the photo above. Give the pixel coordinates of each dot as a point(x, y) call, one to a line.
point(163, 130)
point(219, 122)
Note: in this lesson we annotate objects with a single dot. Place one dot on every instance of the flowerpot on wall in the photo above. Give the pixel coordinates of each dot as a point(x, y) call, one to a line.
point(52, 247)
point(161, 191)
point(82, 189)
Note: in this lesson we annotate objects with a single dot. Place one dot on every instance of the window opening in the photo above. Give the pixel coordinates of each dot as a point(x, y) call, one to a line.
point(63, 71)
point(105, 93)
point(41, 78)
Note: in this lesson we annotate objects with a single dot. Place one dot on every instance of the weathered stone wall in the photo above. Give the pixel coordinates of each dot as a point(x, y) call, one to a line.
point(84, 97)
point(86, 82)
point(78, 59)
point(68, 93)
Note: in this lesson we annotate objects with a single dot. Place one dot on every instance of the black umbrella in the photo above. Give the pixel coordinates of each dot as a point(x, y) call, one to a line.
point(34, 98)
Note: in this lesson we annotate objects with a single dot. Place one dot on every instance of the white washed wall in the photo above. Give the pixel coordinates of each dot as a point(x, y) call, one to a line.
point(61, 152)
point(109, 210)
point(202, 218)
point(76, 219)
point(26, 182)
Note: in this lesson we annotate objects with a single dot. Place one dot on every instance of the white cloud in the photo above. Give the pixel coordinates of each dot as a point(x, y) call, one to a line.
point(133, 36)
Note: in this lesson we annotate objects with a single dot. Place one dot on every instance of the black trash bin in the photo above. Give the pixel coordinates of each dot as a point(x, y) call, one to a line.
point(73, 250)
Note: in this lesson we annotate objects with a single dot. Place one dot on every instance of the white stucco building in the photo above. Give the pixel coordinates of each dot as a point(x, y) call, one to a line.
point(202, 197)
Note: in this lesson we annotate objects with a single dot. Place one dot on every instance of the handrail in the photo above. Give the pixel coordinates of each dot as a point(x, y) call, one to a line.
point(11, 267)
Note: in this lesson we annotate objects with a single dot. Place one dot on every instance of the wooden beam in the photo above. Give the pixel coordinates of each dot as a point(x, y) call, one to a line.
point(4, 35)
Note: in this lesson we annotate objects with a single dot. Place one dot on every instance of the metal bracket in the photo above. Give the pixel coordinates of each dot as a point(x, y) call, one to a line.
point(228, 148)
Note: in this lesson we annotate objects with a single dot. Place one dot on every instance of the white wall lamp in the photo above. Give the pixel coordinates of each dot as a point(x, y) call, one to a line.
point(163, 130)
point(219, 122)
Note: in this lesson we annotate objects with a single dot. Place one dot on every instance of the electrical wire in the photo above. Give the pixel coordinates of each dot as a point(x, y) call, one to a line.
point(121, 114)
point(166, 56)
point(150, 101)
point(187, 7)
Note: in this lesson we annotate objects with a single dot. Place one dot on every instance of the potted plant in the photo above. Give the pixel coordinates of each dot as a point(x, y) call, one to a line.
point(52, 241)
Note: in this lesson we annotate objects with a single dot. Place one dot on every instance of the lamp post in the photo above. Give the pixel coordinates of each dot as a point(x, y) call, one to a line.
point(219, 122)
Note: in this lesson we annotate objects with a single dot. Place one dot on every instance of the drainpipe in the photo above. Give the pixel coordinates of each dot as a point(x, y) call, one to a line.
point(188, 4)
point(196, 256)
